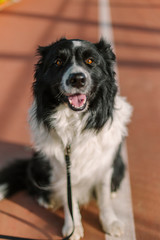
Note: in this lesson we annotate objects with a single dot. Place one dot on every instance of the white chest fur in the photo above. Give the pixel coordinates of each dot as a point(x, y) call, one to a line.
point(91, 153)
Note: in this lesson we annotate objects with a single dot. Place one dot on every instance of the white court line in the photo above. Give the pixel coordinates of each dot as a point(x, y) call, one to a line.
point(124, 196)
point(105, 25)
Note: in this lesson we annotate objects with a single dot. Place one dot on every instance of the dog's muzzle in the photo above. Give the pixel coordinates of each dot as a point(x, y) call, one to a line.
point(75, 86)
point(77, 102)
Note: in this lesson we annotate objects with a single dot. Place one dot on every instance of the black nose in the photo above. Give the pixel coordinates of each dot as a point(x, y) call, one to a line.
point(77, 80)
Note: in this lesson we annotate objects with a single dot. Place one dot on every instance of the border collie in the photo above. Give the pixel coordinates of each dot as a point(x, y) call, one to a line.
point(77, 104)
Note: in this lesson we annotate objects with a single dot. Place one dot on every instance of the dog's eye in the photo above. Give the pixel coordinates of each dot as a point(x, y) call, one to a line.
point(58, 62)
point(89, 61)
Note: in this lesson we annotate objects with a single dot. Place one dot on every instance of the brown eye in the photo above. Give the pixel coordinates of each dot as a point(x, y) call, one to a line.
point(58, 62)
point(89, 61)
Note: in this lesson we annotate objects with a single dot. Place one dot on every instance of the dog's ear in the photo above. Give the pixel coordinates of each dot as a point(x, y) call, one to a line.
point(39, 83)
point(40, 67)
point(106, 51)
point(42, 51)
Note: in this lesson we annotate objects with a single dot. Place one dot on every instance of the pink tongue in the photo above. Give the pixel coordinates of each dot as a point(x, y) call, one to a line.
point(78, 100)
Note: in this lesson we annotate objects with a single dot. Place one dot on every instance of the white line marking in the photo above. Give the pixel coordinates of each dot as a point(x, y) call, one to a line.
point(105, 25)
point(105, 31)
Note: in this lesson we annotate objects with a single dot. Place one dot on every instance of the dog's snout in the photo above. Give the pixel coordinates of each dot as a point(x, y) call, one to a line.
point(77, 80)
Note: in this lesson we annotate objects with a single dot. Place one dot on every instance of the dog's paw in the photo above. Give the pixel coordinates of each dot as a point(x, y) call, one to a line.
point(45, 204)
point(113, 195)
point(116, 228)
point(78, 232)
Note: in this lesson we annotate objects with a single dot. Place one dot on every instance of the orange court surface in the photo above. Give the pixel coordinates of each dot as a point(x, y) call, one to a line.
point(136, 31)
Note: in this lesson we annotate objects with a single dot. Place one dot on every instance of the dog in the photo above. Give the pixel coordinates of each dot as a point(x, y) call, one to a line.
point(76, 103)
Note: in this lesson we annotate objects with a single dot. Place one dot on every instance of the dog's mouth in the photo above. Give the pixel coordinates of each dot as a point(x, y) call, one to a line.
point(77, 102)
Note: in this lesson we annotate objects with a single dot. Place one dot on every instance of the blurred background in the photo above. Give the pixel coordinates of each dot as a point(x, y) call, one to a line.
point(135, 24)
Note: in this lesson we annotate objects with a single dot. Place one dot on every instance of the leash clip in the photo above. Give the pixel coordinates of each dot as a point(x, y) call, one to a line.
point(68, 150)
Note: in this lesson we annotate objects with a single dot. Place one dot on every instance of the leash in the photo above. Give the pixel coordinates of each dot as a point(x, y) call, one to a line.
point(69, 199)
point(69, 187)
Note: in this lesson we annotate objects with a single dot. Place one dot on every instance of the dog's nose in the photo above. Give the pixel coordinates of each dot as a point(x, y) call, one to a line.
point(77, 80)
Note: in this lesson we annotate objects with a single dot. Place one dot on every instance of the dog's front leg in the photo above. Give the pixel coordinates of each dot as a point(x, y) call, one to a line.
point(68, 224)
point(110, 223)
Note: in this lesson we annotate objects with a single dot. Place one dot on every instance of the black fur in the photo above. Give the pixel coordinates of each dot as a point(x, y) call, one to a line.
point(14, 176)
point(102, 104)
point(27, 174)
point(38, 177)
point(118, 171)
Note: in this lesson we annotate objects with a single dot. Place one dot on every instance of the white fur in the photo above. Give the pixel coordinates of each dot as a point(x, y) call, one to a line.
point(91, 159)
point(74, 68)
point(3, 191)
point(77, 43)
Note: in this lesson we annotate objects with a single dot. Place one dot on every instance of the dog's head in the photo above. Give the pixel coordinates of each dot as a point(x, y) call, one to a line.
point(79, 74)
